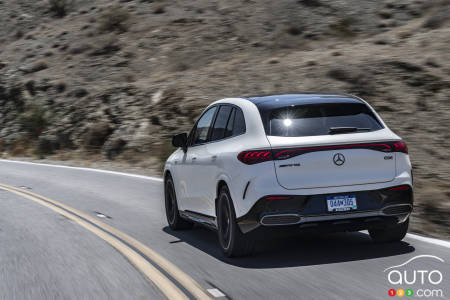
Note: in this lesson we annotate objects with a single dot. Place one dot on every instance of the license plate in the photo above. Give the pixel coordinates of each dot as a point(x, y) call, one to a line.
point(341, 203)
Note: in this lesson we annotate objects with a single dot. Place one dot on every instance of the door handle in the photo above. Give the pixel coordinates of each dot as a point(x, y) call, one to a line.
point(214, 157)
point(194, 158)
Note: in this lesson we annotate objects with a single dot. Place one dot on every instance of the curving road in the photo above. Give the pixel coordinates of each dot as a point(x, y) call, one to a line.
point(73, 233)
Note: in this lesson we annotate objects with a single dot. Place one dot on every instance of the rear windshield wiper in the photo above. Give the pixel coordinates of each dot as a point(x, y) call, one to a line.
point(335, 130)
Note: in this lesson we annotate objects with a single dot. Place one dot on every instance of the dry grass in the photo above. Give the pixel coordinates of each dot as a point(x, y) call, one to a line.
point(115, 18)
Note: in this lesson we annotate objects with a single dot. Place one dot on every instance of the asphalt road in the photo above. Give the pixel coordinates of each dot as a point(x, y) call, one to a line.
point(45, 254)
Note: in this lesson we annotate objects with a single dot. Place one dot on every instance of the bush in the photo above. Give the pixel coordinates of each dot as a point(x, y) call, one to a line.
point(163, 152)
point(294, 30)
point(96, 136)
point(46, 145)
point(159, 8)
point(15, 95)
point(340, 74)
point(310, 3)
point(59, 7)
point(343, 27)
point(115, 18)
point(437, 19)
point(34, 121)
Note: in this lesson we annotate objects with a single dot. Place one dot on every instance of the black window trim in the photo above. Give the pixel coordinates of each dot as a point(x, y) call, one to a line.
point(218, 105)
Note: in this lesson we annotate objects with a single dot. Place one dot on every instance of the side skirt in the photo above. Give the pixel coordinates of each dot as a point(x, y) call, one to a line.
point(201, 219)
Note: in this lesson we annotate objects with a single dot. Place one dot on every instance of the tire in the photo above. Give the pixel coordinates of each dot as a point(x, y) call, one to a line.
point(232, 241)
point(175, 221)
point(389, 234)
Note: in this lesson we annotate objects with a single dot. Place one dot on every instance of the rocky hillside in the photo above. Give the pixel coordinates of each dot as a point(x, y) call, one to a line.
point(115, 79)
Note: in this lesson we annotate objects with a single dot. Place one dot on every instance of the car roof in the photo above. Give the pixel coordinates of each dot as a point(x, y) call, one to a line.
point(275, 101)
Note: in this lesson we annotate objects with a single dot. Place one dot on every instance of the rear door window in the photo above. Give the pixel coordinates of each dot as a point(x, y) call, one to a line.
point(321, 119)
point(239, 123)
point(220, 125)
point(229, 129)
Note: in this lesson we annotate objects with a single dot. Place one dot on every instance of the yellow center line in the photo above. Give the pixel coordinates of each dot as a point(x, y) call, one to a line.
point(167, 287)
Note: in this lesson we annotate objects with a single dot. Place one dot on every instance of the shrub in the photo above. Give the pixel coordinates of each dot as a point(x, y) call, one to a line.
point(294, 30)
point(340, 74)
point(34, 121)
point(96, 136)
point(437, 19)
point(163, 152)
point(46, 145)
point(310, 3)
point(59, 7)
point(114, 148)
point(14, 94)
point(115, 18)
point(60, 87)
point(343, 27)
point(159, 8)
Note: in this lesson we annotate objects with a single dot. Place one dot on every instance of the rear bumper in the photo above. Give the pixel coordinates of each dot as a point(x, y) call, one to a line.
point(375, 208)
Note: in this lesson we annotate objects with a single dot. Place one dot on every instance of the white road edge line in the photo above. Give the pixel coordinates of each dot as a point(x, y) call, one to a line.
point(85, 169)
point(216, 293)
point(429, 240)
point(410, 235)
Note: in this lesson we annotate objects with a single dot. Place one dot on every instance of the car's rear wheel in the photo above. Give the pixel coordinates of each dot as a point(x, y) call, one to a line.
point(232, 241)
point(176, 222)
point(389, 234)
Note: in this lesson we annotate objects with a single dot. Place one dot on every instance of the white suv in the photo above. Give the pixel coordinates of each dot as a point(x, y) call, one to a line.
point(297, 162)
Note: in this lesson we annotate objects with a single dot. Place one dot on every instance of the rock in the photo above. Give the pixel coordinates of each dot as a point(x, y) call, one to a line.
point(430, 61)
point(80, 49)
point(273, 60)
point(381, 42)
point(404, 34)
point(385, 13)
point(156, 98)
point(106, 47)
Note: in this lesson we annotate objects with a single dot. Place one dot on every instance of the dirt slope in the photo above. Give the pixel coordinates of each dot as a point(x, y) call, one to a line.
point(115, 79)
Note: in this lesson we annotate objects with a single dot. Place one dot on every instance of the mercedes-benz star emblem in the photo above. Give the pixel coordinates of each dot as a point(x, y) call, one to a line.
point(339, 159)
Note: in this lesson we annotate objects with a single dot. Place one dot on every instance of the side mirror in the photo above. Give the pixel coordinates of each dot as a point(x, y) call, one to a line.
point(180, 140)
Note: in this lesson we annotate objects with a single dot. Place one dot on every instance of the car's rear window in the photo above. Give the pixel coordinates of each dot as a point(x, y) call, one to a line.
point(321, 119)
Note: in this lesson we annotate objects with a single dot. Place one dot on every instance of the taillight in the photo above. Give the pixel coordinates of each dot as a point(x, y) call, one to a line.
point(400, 147)
point(255, 156)
point(400, 188)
